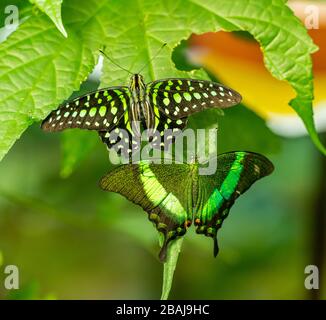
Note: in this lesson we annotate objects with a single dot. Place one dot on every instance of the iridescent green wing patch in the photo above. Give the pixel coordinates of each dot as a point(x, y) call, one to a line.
point(236, 172)
point(179, 98)
point(99, 110)
point(157, 189)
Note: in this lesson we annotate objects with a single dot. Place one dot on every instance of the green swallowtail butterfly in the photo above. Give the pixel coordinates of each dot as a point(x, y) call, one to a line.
point(159, 105)
point(176, 195)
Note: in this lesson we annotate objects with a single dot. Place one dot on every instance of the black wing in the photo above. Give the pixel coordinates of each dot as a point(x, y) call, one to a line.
point(179, 98)
point(99, 110)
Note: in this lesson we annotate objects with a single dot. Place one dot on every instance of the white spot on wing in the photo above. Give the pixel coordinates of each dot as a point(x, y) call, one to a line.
point(256, 168)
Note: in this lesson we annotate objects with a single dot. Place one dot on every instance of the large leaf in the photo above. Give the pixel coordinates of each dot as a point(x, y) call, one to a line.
point(11, 14)
point(39, 68)
point(53, 9)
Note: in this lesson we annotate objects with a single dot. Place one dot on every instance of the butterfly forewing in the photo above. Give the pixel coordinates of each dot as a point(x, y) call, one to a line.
point(179, 98)
point(99, 110)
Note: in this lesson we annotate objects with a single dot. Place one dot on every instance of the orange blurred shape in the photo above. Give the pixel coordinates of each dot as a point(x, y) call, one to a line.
point(238, 62)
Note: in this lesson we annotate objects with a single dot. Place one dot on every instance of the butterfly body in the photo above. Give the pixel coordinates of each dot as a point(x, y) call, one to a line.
point(176, 195)
point(127, 110)
point(140, 112)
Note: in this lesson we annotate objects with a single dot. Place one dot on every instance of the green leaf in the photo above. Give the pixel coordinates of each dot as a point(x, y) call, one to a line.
point(6, 11)
point(241, 129)
point(238, 128)
point(13, 13)
point(169, 266)
point(39, 68)
point(76, 145)
point(53, 9)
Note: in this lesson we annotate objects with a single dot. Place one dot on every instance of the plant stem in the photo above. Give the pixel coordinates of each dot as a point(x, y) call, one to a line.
point(169, 266)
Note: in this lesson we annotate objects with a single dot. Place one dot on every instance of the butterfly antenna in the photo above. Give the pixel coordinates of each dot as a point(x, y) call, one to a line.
point(155, 55)
point(110, 59)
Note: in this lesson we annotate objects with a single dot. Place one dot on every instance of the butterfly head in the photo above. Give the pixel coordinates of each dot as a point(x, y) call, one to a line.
point(137, 81)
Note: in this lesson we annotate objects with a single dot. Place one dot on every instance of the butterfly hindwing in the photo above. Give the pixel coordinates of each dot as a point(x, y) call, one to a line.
point(156, 188)
point(179, 98)
point(236, 172)
point(121, 138)
point(99, 110)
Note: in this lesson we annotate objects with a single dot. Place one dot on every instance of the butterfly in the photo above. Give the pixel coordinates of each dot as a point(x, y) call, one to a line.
point(176, 195)
point(119, 114)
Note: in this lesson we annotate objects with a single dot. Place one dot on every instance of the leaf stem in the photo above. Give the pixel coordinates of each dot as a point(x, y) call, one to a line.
point(169, 266)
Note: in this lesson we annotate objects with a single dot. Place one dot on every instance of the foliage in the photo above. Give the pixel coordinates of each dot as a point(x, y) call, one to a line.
point(53, 9)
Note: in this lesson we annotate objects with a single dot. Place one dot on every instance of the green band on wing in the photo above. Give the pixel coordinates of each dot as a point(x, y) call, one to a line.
point(159, 196)
point(231, 181)
point(213, 203)
point(229, 185)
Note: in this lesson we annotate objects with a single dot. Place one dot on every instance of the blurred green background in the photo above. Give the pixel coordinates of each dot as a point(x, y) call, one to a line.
point(70, 239)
